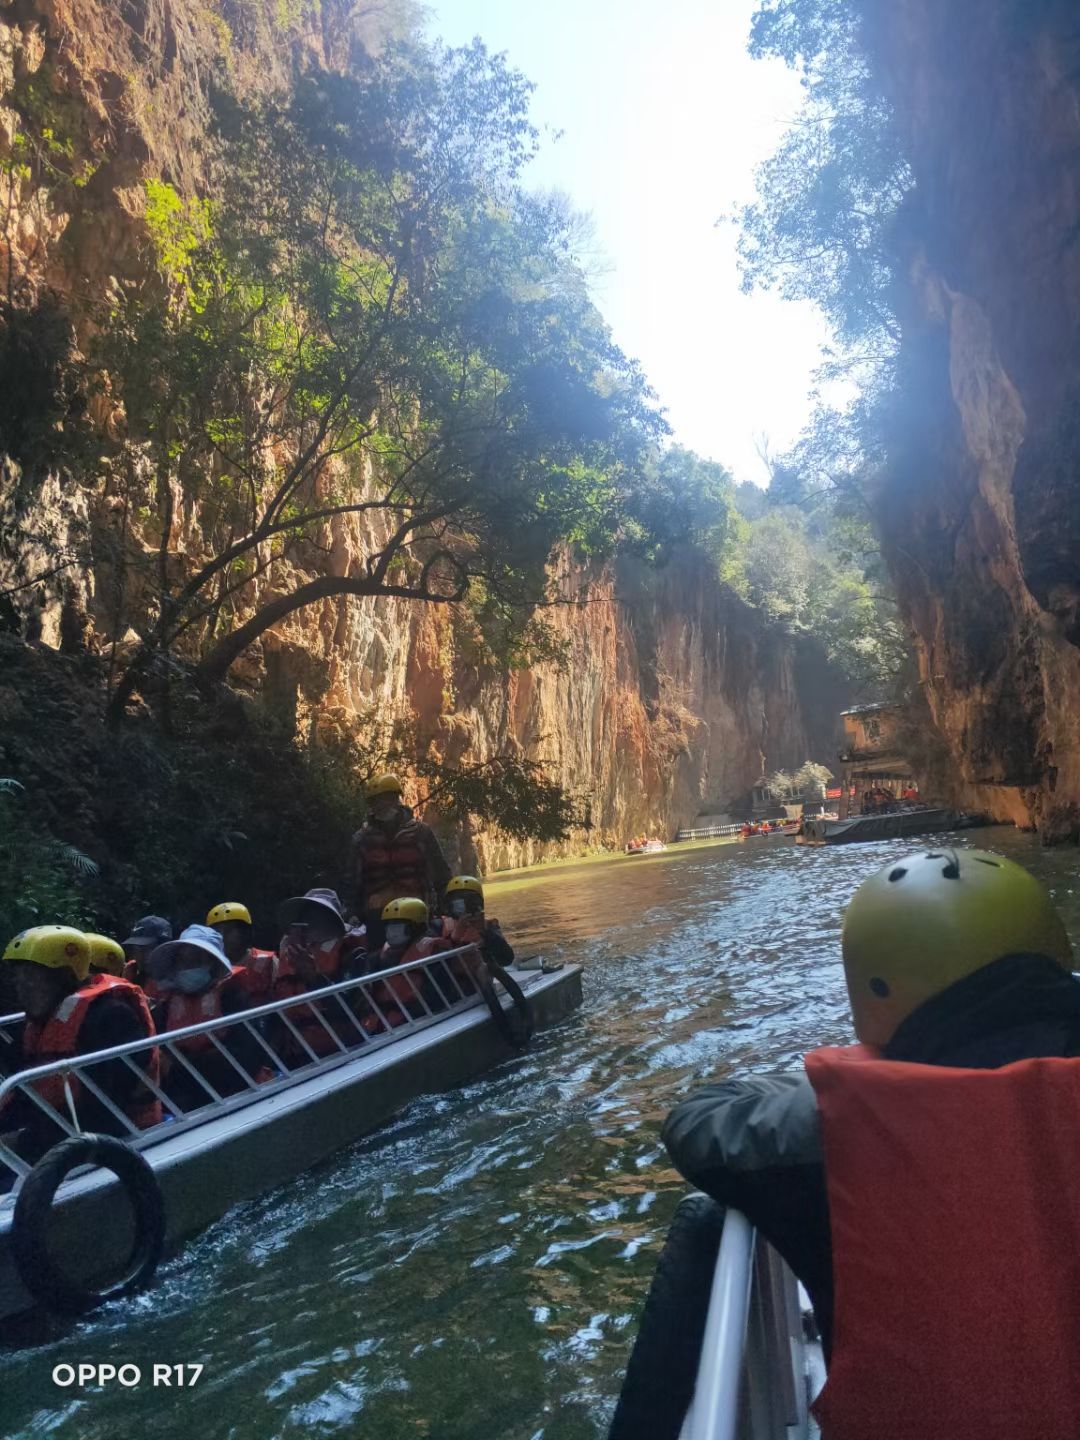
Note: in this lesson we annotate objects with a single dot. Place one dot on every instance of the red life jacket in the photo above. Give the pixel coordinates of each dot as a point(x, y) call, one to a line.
point(955, 1219)
point(329, 960)
point(58, 1039)
point(257, 973)
point(392, 866)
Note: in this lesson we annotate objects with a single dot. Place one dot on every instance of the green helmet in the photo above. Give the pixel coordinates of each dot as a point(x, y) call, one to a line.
point(926, 921)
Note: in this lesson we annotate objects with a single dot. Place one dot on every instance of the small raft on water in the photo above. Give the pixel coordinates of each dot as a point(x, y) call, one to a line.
point(185, 1172)
point(645, 847)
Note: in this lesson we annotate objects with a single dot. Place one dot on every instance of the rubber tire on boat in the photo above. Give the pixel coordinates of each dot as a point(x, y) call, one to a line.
point(37, 1269)
point(515, 1026)
point(663, 1364)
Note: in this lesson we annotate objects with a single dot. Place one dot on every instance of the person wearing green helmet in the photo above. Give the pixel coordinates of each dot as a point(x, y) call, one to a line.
point(912, 1182)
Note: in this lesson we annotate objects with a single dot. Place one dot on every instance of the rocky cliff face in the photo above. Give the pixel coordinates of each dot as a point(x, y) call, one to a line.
point(982, 512)
point(675, 696)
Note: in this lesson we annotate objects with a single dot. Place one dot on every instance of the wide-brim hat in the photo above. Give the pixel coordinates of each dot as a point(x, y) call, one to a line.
point(202, 937)
point(289, 911)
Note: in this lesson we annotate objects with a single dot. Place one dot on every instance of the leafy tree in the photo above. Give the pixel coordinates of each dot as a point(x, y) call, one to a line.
point(682, 498)
point(374, 318)
point(820, 227)
point(42, 879)
point(814, 569)
point(811, 776)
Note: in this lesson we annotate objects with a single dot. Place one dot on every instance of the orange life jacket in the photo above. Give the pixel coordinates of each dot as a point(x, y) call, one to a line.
point(256, 974)
point(149, 987)
point(392, 866)
point(396, 997)
point(465, 930)
point(329, 960)
point(180, 1010)
point(58, 1039)
point(955, 1223)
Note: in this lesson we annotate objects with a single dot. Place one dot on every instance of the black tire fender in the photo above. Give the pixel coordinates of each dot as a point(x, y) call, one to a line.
point(516, 1026)
point(37, 1268)
point(663, 1364)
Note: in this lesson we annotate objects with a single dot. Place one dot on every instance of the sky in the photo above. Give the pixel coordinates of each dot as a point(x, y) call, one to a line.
point(663, 119)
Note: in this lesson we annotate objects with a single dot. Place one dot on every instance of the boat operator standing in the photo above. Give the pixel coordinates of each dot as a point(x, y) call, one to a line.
point(922, 1184)
point(394, 857)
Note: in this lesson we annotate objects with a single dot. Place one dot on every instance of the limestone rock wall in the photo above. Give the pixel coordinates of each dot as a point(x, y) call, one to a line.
point(982, 512)
point(676, 696)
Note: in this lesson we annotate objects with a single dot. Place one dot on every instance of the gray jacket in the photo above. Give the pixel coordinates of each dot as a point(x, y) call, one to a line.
point(755, 1145)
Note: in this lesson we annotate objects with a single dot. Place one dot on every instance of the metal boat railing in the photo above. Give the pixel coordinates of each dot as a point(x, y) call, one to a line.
point(437, 990)
point(720, 832)
point(756, 1370)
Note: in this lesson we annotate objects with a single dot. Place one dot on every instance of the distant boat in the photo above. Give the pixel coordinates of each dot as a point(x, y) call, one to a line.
point(890, 825)
point(645, 847)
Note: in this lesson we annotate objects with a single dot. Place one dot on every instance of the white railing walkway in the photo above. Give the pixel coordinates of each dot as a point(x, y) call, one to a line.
point(718, 832)
point(437, 993)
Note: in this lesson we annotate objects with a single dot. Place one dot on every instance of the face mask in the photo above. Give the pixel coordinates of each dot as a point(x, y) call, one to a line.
point(458, 905)
point(396, 933)
point(190, 982)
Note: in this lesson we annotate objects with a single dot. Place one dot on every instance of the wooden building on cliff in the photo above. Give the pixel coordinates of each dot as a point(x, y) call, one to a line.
point(871, 760)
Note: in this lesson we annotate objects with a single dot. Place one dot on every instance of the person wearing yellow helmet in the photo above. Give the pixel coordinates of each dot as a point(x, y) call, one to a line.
point(467, 924)
point(106, 956)
point(394, 856)
point(252, 968)
point(71, 1011)
point(912, 1170)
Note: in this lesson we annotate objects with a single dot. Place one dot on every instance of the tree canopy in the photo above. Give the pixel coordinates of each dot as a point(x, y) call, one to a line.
point(373, 318)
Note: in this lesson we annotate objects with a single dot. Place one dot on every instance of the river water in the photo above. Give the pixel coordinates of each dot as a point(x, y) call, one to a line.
point(472, 1272)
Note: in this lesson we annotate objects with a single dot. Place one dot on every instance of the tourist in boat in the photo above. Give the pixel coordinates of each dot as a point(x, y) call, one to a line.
point(910, 794)
point(199, 983)
point(233, 922)
point(106, 956)
point(146, 935)
point(318, 948)
point(70, 1012)
point(935, 1197)
point(465, 922)
point(394, 856)
point(409, 937)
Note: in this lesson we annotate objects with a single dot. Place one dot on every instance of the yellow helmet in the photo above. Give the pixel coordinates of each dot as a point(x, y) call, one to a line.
point(928, 920)
point(105, 954)
point(410, 909)
point(15, 949)
point(382, 785)
point(229, 910)
point(57, 946)
point(465, 884)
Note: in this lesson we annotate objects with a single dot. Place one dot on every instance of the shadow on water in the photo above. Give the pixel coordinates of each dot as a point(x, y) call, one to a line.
point(472, 1272)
